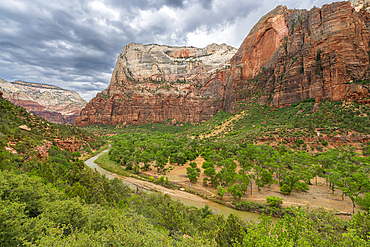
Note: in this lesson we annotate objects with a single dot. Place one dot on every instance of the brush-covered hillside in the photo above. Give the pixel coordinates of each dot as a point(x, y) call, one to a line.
point(55, 200)
point(48, 197)
point(262, 159)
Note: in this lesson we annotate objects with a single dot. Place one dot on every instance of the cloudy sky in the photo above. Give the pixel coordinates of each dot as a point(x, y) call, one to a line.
point(74, 44)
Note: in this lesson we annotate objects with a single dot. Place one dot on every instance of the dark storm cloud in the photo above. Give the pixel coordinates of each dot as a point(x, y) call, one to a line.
point(75, 44)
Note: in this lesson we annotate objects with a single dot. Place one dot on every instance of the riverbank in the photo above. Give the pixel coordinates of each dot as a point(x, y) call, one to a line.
point(186, 198)
point(174, 190)
point(319, 196)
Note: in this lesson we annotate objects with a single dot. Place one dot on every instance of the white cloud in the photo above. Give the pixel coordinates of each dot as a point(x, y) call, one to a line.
point(74, 44)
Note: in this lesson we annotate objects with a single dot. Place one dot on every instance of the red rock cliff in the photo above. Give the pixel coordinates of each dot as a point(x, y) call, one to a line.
point(288, 56)
point(293, 55)
point(153, 83)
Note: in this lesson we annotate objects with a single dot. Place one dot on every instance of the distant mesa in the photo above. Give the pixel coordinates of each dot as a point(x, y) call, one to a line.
point(53, 103)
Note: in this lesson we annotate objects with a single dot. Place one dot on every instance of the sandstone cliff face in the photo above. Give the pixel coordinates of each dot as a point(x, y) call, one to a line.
point(293, 55)
point(153, 83)
point(361, 4)
point(52, 103)
point(288, 56)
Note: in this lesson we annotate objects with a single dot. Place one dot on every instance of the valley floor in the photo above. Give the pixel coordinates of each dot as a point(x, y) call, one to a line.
point(318, 196)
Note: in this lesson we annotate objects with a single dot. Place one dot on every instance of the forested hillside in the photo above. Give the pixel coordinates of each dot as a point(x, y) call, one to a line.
point(52, 198)
point(261, 148)
point(56, 200)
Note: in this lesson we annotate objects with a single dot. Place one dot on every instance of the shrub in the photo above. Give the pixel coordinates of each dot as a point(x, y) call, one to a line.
point(274, 201)
point(299, 141)
point(285, 189)
point(324, 142)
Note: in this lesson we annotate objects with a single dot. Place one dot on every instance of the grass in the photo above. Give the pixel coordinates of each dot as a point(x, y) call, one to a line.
point(111, 166)
point(101, 149)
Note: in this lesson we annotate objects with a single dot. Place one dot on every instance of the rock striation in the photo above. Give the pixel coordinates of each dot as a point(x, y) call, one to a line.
point(153, 83)
point(54, 104)
point(361, 4)
point(288, 56)
point(294, 55)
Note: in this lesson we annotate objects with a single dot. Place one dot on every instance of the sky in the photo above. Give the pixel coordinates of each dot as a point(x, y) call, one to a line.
point(74, 44)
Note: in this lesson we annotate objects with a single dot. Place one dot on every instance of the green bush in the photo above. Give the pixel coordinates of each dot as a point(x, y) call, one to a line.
point(274, 201)
point(324, 142)
point(285, 189)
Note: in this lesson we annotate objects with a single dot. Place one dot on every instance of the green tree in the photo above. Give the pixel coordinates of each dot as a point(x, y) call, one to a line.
point(235, 191)
point(172, 220)
point(364, 202)
point(231, 233)
point(354, 185)
point(193, 172)
point(145, 158)
point(221, 191)
point(161, 161)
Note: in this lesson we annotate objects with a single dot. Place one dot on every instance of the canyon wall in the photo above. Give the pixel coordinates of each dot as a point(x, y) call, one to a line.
point(153, 83)
point(52, 103)
point(294, 55)
point(288, 56)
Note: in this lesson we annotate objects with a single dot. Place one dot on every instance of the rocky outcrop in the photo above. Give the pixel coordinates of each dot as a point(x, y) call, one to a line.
point(361, 4)
point(153, 83)
point(288, 56)
point(293, 55)
point(52, 103)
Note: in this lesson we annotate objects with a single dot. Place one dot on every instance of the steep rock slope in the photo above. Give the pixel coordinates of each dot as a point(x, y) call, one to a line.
point(54, 104)
point(288, 56)
point(361, 4)
point(153, 83)
point(293, 55)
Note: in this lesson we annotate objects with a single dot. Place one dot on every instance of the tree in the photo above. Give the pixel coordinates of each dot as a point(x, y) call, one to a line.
point(172, 220)
point(231, 233)
point(76, 154)
point(209, 170)
point(160, 161)
point(244, 180)
point(193, 172)
point(206, 211)
point(355, 184)
point(235, 191)
point(221, 191)
point(265, 177)
point(364, 202)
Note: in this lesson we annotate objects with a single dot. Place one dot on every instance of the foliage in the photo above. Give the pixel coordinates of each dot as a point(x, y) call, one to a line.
point(285, 189)
point(193, 172)
point(274, 201)
point(58, 201)
point(40, 130)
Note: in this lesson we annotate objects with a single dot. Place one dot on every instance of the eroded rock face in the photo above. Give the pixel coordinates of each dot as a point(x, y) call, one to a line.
point(293, 55)
point(153, 83)
point(288, 56)
point(361, 4)
point(54, 104)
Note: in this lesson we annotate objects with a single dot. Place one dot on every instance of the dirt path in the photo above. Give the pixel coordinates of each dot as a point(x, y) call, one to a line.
point(223, 126)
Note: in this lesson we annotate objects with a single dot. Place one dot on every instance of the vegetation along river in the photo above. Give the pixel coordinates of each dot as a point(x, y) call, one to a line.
point(186, 198)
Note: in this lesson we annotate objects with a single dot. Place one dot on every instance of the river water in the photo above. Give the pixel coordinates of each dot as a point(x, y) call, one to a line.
point(184, 197)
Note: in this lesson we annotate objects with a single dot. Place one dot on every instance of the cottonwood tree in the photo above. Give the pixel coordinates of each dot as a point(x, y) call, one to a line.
point(193, 172)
